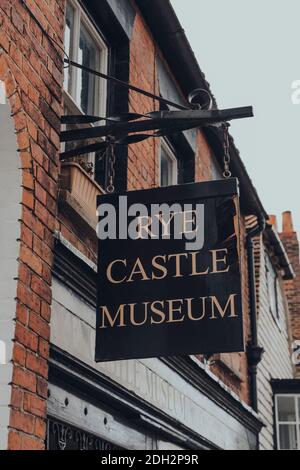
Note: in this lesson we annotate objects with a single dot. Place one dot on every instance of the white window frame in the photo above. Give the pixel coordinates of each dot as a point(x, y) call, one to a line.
point(164, 146)
point(80, 17)
point(269, 265)
point(297, 422)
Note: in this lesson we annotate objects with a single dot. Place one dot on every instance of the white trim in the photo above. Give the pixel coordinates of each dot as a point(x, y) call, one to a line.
point(292, 423)
point(2, 93)
point(10, 214)
point(3, 353)
point(164, 146)
point(81, 17)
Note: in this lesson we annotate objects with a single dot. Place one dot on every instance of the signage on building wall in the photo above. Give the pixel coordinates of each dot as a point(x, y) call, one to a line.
point(169, 279)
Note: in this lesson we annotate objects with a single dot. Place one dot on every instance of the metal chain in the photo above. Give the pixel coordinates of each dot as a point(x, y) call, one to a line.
point(110, 188)
point(226, 160)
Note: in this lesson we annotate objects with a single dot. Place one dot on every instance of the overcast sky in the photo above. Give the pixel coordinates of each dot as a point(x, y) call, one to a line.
point(249, 51)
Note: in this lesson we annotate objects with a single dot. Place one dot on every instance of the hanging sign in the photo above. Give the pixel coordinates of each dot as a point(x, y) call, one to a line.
point(169, 279)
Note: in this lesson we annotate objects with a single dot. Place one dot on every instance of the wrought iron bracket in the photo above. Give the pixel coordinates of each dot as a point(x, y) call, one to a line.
point(130, 128)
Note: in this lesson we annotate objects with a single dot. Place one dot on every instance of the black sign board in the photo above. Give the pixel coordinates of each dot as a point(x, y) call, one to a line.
point(169, 283)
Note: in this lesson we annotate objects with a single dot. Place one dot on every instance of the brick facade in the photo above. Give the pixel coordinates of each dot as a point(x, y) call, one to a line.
point(292, 288)
point(31, 68)
point(143, 164)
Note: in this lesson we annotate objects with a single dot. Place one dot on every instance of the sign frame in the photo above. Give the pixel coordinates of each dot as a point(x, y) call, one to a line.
point(112, 343)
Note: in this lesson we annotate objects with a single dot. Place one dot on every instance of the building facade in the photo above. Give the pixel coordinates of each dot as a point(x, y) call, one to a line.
point(53, 394)
point(287, 392)
point(290, 241)
point(273, 324)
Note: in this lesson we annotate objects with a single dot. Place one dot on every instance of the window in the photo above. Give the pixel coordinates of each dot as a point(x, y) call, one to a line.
point(272, 287)
point(84, 45)
point(168, 165)
point(84, 93)
point(288, 422)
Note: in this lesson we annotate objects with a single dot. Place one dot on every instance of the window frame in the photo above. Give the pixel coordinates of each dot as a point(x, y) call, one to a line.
point(275, 288)
point(108, 25)
point(280, 423)
point(82, 18)
point(166, 147)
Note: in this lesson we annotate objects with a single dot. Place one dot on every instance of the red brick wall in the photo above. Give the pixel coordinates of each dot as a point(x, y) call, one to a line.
point(292, 288)
point(143, 166)
point(31, 67)
point(203, 163)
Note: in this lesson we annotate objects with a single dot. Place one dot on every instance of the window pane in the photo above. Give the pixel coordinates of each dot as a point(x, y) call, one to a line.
point(165, 169)
point(286, 409)
point(272, 286)
point(288, 437)
point(86, 82)
point(68, 41)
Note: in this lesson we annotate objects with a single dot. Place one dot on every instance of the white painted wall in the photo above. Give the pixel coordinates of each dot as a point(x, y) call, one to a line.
point(276, 362)
point(10, 213)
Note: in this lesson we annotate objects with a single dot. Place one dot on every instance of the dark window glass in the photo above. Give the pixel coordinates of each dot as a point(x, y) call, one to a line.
point(86, 86)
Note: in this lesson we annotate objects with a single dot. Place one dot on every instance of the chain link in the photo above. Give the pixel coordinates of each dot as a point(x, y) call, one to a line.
point(110, 188)
point(226, 160)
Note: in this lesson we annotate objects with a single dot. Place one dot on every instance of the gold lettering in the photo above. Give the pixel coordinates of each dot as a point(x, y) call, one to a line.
point(112, 321)
point(144, 227)
point(187, 221)
point(109, 273)
point(158, 312)
point(178, 257)
point(189, 309)
point(194, 266)
point(216, 261)
point(166, 225)
point(173, 309)
point(222, 312)
point(138, 269)
point(133, 313)
point(158, 266)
